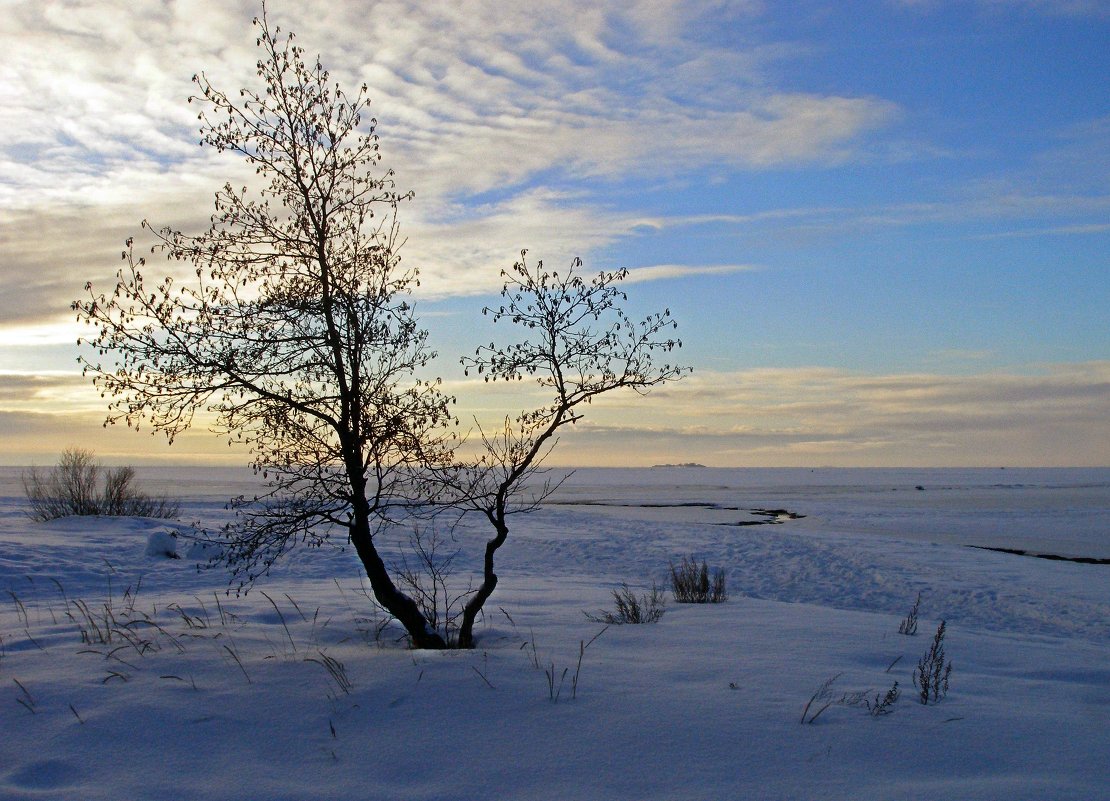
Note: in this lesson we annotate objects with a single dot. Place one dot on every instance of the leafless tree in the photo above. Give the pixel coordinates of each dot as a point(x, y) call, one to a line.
point(579, 344)
point(295, 334)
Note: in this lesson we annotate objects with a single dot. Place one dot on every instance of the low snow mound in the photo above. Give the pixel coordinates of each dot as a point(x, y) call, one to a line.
point(167, 542)
point(162, 543)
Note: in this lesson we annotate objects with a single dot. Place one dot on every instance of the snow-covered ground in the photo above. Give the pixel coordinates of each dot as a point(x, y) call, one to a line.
point(178, 691)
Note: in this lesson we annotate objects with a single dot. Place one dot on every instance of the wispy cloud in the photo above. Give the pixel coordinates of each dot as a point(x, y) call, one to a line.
point(39, 334)
point(471, 96)
point(661, 272)
point(1058, 230)
point(504, 93)
point(982, 202)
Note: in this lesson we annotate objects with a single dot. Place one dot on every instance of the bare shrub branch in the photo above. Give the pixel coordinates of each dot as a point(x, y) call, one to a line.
point(427, 578)
point(931, 675)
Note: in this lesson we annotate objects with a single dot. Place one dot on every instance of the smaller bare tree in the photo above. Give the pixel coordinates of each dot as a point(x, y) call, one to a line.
point(579, 344)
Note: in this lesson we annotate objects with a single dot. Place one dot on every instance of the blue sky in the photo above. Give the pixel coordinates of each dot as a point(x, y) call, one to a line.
point(884, 227)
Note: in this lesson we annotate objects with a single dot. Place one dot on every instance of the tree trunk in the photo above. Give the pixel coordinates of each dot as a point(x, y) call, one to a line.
point(394, 601)
point(489, 584)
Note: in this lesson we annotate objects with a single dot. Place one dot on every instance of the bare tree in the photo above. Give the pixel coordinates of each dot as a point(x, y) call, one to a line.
point(295, 335)
point(579, 344)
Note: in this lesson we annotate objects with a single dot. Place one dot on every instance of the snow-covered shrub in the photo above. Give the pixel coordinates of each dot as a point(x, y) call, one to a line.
point(203, 550)
point(690, 583)
point(162, 542)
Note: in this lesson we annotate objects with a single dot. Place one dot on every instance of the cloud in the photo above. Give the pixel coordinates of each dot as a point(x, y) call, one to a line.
point(1058, 230)
point(1052, 415)
point(37, 335)
point(471, 96)
point(49, 253)
point(486, 98)
point(25, 386)
point(52, 392)
point(993, 202)
point(475, 100)
point(461, 250)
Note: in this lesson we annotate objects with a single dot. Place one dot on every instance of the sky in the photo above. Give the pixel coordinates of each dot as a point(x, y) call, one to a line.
point(883, 227)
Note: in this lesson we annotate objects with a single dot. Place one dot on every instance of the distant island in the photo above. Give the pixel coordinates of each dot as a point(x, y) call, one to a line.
point(685, 464)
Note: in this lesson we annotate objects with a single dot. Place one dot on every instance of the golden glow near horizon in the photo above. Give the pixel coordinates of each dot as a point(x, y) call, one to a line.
point(771, 417)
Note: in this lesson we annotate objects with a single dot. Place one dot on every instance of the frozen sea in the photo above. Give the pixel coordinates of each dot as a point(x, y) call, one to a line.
point(1062, 511)
point(1057, 511)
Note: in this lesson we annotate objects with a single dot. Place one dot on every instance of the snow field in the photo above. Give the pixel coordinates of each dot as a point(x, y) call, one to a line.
point(230, 697)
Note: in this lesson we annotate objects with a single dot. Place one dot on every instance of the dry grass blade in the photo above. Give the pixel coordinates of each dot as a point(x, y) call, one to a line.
point(336, 670)
point(281, 617)
point(822, 693)
point(27, 701)
point(482, 676)
point(295, 606)
point(238, 662)
point(20, 609)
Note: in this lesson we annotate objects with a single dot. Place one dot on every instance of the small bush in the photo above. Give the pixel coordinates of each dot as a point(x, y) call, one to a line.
point(648, 608)
point(690, 583)
point(73, 487)
point(930, 677)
